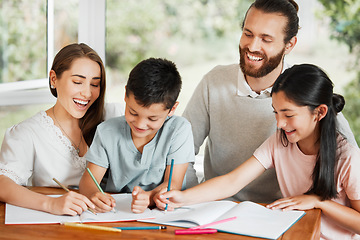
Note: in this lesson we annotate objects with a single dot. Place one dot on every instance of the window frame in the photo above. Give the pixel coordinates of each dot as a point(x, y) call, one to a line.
point(91, 30)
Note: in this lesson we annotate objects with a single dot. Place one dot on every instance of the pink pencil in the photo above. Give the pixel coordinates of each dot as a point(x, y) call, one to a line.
point(213, 223)
point(194, 231)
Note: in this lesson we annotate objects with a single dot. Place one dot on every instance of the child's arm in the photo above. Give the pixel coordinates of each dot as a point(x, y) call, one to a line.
point(70, 203)
point(346, 217)
point(215, 188)
point(143, 199)
point(103, 202)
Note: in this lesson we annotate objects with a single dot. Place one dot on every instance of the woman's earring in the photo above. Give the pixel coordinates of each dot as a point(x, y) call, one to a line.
point(52, 86)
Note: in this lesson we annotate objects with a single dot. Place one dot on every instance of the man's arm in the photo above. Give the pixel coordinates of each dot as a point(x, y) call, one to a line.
point(196, 112)
point(344, 129)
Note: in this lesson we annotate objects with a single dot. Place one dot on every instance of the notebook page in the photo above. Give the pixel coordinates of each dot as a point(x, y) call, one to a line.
point(194, 215)
point(122, 212)
point(258, 221)
point(20, 215)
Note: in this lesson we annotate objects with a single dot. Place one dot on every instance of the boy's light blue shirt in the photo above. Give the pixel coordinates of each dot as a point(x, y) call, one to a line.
point(114, 149)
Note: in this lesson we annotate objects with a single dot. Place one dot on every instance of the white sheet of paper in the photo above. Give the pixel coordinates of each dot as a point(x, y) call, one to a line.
point(20, 215)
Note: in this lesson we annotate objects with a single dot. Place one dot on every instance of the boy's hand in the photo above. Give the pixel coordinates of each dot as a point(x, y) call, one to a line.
point(71, 203)
point(140, 200)
point(103, 202)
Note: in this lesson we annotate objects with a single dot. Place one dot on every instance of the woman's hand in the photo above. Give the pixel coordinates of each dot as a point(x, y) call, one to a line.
point(71, 203)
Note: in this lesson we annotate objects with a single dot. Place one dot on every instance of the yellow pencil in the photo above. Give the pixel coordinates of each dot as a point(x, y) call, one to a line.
point(61, 185)
point(88, 226)
point(66, 189)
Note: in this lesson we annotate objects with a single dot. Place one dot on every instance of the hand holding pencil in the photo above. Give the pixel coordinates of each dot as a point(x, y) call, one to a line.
point(71, 203)
point(103, 201)
point(142, 199)
point(161, 202)
point(173, 199)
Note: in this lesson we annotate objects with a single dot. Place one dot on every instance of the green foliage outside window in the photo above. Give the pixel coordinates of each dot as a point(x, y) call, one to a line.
point(22, 40)
point(139, 29)
point(345, 23)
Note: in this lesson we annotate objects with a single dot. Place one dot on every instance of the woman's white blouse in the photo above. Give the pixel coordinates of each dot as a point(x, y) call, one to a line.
point(35, 151)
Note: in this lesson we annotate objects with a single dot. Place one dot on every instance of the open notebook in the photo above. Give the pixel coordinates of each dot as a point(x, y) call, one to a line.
point(19, 215)
point(251, 219)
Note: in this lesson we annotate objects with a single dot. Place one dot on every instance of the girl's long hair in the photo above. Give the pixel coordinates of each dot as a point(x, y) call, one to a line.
point(307, 85)
point(62, 62)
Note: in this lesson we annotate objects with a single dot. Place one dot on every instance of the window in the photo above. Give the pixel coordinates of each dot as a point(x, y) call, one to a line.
point(196, 35)
point(28, 46)
point(32, 32)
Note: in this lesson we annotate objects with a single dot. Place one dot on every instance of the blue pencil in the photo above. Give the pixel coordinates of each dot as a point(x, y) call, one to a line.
point(170, 176)
point(142, 228)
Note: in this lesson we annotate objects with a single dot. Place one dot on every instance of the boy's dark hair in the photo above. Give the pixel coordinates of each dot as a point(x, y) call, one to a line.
point(154, 80)
point(286, 8)
point(308, 85)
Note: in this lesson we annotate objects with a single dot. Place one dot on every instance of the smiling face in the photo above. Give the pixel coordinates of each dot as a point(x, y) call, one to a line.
point(299, 123)
point(77, 88)
point(262, 46)
point(145, 121)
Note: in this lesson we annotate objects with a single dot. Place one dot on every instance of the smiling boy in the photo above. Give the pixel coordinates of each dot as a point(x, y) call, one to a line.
point(137, 148)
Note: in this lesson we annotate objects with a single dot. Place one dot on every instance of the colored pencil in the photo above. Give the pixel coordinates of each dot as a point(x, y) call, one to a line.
point(66, 189)
point(213, 223)
point(195, 231)
point(88, 226)
point(97, 185)
point(93, 178)
point(61, 185)
point(142, 228)
point(170, 176)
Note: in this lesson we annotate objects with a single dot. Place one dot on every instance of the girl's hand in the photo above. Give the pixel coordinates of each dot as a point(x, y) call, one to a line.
point(71, 203)
point(173, 198)
point(140, 200)
point(103, 202)
point(302, 202)
point(158, 199)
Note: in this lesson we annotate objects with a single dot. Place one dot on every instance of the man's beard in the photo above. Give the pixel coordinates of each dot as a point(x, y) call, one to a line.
point(267, 67)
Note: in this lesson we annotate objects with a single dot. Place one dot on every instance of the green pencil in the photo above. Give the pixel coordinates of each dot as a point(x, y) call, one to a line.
point(97, 184)
point(93, 178)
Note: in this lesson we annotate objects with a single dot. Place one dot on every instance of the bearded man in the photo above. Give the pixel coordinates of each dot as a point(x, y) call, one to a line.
point(231, 106)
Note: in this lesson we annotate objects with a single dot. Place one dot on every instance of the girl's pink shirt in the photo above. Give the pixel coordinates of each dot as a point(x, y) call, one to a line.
point(294, 170)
